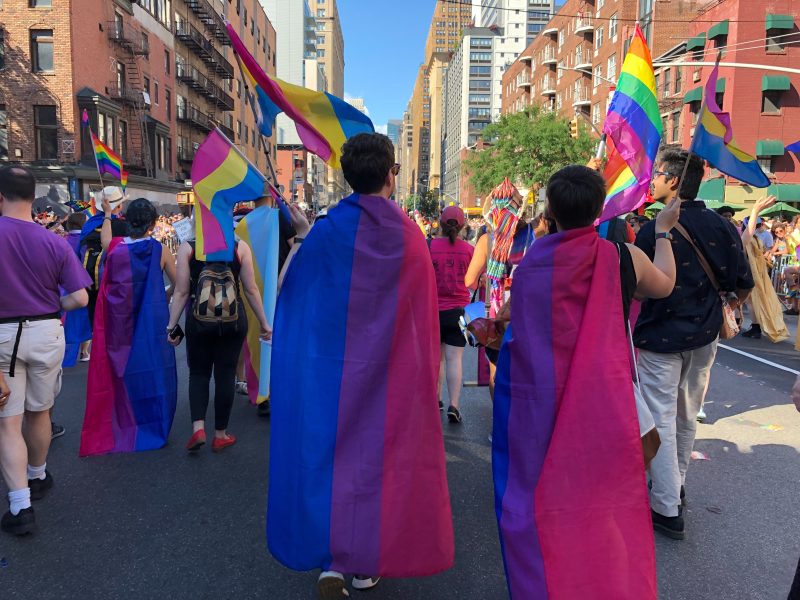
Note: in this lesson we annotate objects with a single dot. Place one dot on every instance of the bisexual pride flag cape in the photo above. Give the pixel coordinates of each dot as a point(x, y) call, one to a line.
point(132, 388)
point(357, 467)
point(259, 230)
point(77, 327)
point(570, 492)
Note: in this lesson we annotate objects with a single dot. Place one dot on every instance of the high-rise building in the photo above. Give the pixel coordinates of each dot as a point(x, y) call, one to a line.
point(393, 130)
point(330, 54)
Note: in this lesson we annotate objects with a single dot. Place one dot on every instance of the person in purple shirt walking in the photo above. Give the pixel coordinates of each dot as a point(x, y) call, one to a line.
point(36, 266)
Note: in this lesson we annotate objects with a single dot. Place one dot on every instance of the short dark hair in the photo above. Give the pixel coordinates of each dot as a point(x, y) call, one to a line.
point(17, 183)
point(673, 158)
point(141, 215)
point(367, 159)
point(76, 221)
point(575, 196)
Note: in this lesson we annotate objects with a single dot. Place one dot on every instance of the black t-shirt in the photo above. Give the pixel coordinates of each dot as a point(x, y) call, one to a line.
point(691, 316)
point(285, 233)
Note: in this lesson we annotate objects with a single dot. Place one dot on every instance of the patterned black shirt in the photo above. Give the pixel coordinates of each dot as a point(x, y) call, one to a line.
point(692, 315)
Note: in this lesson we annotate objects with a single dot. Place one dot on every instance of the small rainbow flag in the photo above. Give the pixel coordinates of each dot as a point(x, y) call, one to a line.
point(107, 160)
point(222, 176)
point(91, 210)
point(633, 129)
point(324, 122)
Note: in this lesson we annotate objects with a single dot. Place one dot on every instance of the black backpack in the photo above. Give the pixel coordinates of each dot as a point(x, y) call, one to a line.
point(92, 258)
point(216, 297)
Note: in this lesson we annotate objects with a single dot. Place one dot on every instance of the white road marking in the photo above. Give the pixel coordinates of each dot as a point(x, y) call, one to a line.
point(759, 359)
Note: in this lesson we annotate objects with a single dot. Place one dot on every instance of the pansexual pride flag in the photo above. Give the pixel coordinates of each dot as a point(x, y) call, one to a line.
point(324, 122)
point(357, 471)
point(570, 491)
point(222, 176)
point(793, 148)
point(633, 127)
point(132, 388)
point(713, 140)
point(259, 230)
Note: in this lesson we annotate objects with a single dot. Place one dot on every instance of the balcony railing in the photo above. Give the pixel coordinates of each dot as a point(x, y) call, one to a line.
point(211, 19)
point(583, 96)
point(583, 58)
point(549, 55)
point(125, 93)
point(204, 86)
point(226, 130)
point(204, 49)
point(188, 113)
point(549, 86)
point(524, 79)
point(185, 155)
point(127, 37)
point(584, 24)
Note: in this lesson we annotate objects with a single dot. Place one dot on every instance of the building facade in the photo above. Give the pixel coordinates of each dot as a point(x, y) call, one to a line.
point(764, 105)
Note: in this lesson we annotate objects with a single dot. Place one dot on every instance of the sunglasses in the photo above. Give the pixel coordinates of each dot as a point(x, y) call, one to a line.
point(396, 169)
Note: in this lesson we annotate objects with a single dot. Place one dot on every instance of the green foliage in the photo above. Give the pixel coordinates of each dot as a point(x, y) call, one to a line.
point(527, 147)
point(426, 203)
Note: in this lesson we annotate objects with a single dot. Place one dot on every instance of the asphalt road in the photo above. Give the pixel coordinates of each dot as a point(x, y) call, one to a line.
point(166, 525)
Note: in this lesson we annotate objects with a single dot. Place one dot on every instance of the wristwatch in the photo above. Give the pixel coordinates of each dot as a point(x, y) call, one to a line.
point(664, 235)
point(298, 239)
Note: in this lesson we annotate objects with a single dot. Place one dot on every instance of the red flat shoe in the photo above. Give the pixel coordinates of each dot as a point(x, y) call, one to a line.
point(220, 444)
point(197, 440)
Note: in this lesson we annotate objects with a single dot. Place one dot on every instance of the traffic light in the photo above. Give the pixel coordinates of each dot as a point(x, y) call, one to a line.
point(573, 128)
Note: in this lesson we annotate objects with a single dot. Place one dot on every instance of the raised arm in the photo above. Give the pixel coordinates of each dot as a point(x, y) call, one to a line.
point(758, 207)
point(477, 265)
point(656, 279)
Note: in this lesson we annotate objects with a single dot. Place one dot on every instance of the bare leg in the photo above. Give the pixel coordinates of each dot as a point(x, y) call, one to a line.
point(14, 453)
point(454, 355)
point(37, 430)
point(440, 388)
point(492, 371)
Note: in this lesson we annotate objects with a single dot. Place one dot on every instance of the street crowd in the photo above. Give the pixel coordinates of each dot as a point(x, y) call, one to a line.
point(599, 349)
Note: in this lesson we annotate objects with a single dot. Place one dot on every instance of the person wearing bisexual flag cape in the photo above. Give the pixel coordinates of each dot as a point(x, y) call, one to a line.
point(132, 388)
point(77, 326)
point(357, 465)
point(568, 465)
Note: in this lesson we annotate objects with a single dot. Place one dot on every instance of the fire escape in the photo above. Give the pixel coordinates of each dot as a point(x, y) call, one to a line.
point(128, 89)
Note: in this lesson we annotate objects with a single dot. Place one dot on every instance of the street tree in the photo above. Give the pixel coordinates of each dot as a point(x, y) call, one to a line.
point(527, 147)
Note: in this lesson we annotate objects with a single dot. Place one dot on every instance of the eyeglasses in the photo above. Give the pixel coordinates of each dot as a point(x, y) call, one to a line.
point(396, 169)
point(664, 173)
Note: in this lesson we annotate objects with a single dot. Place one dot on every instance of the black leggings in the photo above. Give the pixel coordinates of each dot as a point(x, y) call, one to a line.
point(211, 352)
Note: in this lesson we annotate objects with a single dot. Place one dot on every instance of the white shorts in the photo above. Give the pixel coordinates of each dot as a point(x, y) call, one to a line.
point(37, 371)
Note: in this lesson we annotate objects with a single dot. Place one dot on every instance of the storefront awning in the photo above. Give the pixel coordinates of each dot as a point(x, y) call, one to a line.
point(712, 189)
point(697, 42)
point(769, 148)
point(779, 21)
point(719, 29)
point(695, 95)
point(775, 83)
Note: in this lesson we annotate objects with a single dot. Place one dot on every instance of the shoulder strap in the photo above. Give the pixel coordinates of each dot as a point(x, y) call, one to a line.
point(703, 262)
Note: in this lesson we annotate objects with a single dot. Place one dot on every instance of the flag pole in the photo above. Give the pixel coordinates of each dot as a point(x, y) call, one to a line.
point(699, 118)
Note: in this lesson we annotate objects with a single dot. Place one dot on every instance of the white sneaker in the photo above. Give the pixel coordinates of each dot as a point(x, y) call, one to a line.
point(330, 586)
point(241, 387)
point(363, 582)
point(84, 357)
point(701, 416)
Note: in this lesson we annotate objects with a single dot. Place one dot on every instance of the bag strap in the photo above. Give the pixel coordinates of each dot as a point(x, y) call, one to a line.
point(628, 332)
point(703, 262)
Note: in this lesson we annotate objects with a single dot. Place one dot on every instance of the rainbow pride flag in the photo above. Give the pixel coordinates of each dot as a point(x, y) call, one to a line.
point(713, 141)
point(570, 491)
point(132, 388)
point(222, 176)
point(323, 121)
point(357, 466)
point(107, 160)
point(259, 230)
point(633, 126)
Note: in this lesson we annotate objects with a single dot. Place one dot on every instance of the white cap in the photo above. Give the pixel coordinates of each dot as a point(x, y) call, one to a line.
point(114, 195)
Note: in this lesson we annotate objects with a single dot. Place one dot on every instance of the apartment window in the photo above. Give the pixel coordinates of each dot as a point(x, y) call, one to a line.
point(658, 81)
point(612, 26)
point(678, 79)
point(238, 130)
point(694, 108)
point(252, 26)
point(3, 132)
point(167, 62)
point(321, 53)
point(771, 102)
point(666, 81)
point(46, 129)
point(596, 113)
point(612, 67)
point(246, 134)
point(123, 139)
point(239, 88)
point(676, 126)
point(41, 50)
point(767, 164)
point(40, 3)
point(560, 38)
point(147, 85)
point(320, 13)
point(168, 102)
point(2, 48)
point(155, 92)
point(244, 16)
point(777, 41)
point(598, 75)
point(598, 38)
point(320, 39)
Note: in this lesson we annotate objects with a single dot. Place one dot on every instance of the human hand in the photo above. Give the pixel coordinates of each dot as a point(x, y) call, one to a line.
point(5, 391)
point(595, 164)
point(764, 204)
point(266, 332)
point(668, 218)
point(796, 393)
point(106, 205)
point(299, 220)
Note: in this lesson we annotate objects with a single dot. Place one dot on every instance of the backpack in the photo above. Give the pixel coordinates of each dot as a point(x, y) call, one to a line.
point(92, 257)
point(216, 298)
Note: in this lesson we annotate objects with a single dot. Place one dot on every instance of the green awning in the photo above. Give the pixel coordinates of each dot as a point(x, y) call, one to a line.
point(718, 29)
point(712, 189)
point(654, 206)
point(769, 148)
point(698, 41)
point(785, 192)
point(720, 85)
point(781, 208)
point(780, 22)
point(695, 95)
point(776, 83)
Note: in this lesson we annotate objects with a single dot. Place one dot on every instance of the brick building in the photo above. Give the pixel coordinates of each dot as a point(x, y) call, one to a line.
point(152, 76)
point(764, 105)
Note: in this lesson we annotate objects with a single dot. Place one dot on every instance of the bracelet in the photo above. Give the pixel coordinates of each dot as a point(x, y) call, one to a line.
point(665, 235)
point(299, 239)
point(107, 219)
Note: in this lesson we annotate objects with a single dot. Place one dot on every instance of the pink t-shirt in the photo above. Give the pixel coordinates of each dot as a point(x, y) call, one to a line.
point(35, 265)
point(450, 262)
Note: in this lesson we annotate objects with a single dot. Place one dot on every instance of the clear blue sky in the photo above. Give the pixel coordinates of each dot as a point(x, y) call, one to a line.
point(384, 44)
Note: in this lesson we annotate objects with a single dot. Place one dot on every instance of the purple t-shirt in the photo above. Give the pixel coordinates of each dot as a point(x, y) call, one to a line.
point(35, 264)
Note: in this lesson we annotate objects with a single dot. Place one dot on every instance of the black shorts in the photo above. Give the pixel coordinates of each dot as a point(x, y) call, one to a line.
point(449, 330)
